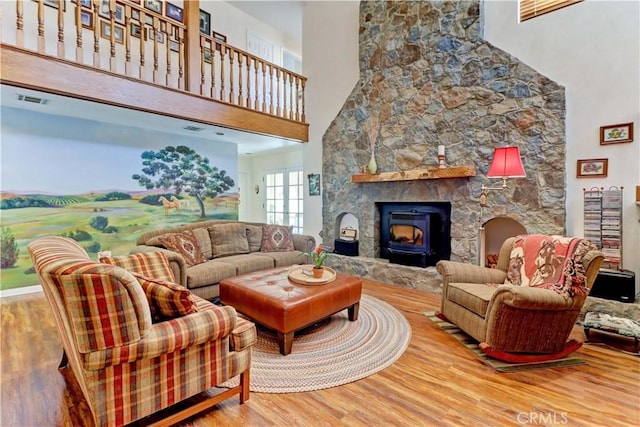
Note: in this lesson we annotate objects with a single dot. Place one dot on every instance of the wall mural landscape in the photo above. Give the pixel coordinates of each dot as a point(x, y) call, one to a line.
point(103, 191)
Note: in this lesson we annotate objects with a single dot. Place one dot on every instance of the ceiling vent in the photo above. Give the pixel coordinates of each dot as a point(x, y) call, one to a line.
point(193, 128)
point(33, 99)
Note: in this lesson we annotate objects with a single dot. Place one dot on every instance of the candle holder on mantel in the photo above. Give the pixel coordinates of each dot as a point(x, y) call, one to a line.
point(441, 157)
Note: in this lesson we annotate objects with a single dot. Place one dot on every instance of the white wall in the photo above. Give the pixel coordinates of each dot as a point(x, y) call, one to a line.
point(593, 49)
point(330, 62)
point(256, 166)
point(234, 23)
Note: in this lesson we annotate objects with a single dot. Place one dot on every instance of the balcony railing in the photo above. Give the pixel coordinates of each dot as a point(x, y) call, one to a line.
point(129, 39)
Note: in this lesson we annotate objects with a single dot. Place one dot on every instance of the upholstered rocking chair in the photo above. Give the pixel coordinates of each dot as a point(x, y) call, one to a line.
point(524, 309)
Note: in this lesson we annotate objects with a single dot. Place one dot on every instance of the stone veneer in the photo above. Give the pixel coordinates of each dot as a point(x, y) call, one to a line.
point(430, 78)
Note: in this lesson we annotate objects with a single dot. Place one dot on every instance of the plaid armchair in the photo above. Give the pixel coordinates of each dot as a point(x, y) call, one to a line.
point(127, 366)
point(515, 319)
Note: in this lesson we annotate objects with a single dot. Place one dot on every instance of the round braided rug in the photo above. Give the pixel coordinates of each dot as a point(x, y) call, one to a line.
point(332, 353)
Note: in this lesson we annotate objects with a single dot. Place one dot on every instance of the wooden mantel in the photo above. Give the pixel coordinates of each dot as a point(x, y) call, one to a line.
point(413, 175)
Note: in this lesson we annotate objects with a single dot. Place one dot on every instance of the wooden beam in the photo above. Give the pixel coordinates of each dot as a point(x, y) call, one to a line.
point(413, 175)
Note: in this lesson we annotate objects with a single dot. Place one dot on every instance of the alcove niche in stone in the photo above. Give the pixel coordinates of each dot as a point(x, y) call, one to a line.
point(493, 233)
point(345, 221)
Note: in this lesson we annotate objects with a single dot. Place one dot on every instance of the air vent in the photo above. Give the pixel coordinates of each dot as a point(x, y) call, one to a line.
point(193, 128)
point(32, 99)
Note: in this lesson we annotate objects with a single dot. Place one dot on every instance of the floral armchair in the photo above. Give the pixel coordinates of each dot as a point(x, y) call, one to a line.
point(525, 308)
point(128, 363)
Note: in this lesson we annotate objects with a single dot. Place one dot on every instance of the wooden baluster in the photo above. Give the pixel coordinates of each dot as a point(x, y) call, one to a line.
point(127, 40)
point(248, 81)
point(240, 98)
point(304, 116)
point(112, 39)
point(156, 25)
point(41, 44)
point(291, 86)
point(167, 43)
point(202, 62)
point(143, 19)
point(96, 34)
point(61, 29)
point(278, 111)
point(222, 52)
point(19, 24)
point(271, 86)
point(296, 117)
point(180, 58)
point(212, 49)
point(231, 82)
point(79, 56)
point(257, 86)
point(264, 86)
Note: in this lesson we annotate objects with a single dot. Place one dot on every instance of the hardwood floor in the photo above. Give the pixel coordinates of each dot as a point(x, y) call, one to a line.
point(436, 382)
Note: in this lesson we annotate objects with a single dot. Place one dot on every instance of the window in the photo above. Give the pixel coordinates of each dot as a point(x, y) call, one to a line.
point(532, 8)
point(284, 198)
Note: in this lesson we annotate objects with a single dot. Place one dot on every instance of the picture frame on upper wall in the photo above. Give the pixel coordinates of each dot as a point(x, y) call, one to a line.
point(174, 12)
point(154, 5)
point(205, 22)
point(83, 3)
point(616, 134)
point(86, 19)
point(54, 4)
point(592, 168)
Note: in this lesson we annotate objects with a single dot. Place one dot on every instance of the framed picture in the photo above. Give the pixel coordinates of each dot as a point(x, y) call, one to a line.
point(219, 37)
point(135, 15)
point(207, 55)
point(105, 12)
point(592, 168)
point(136, 30)
point(205, 22)
point(54, 4)
point(105, 31)
point(86, 19)
point(174, 45)
point(150, 33)
point(83, 3)
point(154, 5)
point(615, 134)
point(314, 184)
point(174, 12)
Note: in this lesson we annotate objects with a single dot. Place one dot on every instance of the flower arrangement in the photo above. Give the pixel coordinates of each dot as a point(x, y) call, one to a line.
point(318, 256)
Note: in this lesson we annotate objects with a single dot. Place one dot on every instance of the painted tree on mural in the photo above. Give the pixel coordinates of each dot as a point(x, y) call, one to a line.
point(184, 170)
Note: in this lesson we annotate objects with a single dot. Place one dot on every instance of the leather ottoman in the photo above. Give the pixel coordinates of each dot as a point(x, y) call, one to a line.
point(269, 298)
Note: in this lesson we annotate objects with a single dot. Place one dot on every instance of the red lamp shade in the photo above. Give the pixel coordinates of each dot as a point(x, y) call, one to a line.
point(506, 163)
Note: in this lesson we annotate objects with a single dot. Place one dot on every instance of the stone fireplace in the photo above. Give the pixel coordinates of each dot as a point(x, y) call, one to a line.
point(430, 79)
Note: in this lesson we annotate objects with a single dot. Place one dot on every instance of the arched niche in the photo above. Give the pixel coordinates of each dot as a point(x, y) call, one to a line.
point(494, 232)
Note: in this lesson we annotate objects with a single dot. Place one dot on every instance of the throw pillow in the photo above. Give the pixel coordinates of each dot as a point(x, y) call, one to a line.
point(166, 300)
point(185, 244)
point(254, 237)
point(151, 264)
point(277, 238)
point(228, 239)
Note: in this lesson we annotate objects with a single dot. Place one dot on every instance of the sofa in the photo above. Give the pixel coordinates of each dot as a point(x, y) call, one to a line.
point(529, 303)
point(137, 342)
point(201, 254)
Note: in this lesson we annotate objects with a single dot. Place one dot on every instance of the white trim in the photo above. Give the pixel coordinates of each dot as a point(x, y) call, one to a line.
point(20, 291)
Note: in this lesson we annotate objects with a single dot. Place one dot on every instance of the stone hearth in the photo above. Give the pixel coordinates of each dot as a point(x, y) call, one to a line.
point(431, 80)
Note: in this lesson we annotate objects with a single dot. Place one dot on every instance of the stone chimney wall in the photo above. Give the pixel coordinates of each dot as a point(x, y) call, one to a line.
point(431, 80)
